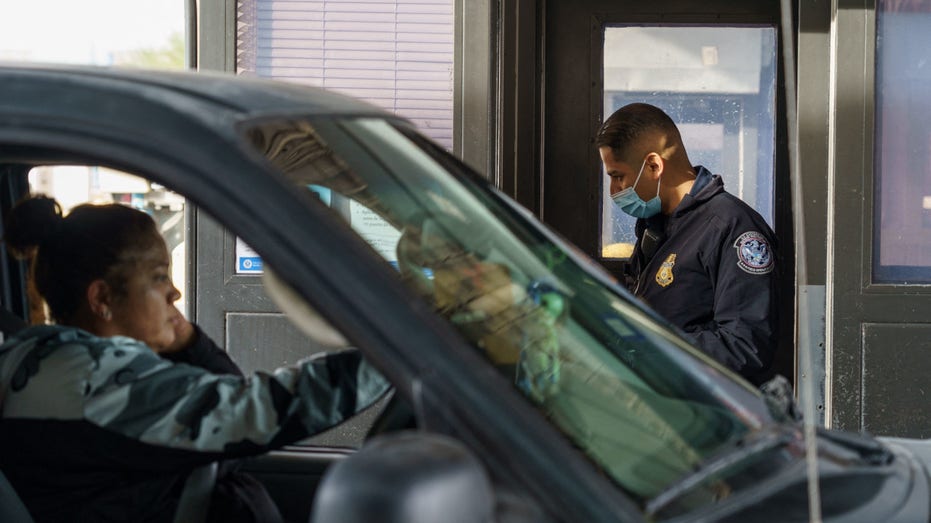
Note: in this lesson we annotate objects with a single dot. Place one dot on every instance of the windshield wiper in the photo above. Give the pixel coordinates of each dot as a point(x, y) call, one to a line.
point(871, 451)
point(753, 444)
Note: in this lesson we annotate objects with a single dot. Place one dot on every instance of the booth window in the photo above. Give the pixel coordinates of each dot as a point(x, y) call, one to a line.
point(718, 84)
point(902, 148)
point(399, 56)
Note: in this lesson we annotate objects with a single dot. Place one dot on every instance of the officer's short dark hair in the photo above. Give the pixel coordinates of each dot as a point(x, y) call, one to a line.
point(626, 125)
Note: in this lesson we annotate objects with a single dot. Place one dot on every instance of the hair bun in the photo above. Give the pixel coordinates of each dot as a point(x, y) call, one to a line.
point(31, 222)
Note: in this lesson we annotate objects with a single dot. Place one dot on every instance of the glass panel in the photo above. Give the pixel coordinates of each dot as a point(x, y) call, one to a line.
point(649, 409)
point(398, 56)
point(144, 33)
point(718, 85)
point(902, 156)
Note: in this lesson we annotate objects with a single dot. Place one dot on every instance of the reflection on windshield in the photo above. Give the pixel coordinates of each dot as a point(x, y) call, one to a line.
point(641, 404)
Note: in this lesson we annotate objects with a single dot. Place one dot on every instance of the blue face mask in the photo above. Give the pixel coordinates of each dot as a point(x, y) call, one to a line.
point(631, 203)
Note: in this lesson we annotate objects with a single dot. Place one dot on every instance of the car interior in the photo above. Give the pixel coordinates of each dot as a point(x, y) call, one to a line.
point(291, 474)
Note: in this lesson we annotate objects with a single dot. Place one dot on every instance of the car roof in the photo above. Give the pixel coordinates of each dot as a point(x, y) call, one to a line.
point(248, 95)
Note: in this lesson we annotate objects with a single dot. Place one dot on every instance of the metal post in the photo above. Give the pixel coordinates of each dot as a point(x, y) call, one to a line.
point(801, 268)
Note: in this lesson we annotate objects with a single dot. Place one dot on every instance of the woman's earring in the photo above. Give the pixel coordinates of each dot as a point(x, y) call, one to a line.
point(106, 314)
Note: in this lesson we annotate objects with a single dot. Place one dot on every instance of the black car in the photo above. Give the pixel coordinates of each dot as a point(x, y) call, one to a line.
point(529, 386)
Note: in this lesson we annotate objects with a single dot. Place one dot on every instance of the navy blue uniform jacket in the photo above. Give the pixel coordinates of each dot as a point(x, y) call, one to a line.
point(713, 276)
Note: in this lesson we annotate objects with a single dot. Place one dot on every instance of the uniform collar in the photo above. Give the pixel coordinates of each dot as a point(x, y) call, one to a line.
point(706, 185)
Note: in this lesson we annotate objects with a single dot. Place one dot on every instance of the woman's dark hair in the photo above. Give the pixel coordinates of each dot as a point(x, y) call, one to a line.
point(68, 253)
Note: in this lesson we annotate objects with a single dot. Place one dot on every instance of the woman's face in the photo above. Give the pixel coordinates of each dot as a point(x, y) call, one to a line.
point(146, 311)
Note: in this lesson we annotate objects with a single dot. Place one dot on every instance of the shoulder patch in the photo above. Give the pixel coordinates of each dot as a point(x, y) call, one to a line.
point(753, 253)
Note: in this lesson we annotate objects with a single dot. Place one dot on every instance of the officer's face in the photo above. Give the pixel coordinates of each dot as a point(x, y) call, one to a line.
point(620, 174)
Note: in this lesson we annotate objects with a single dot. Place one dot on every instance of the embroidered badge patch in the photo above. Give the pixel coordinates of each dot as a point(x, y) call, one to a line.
point(753, 253)
point(664, 275)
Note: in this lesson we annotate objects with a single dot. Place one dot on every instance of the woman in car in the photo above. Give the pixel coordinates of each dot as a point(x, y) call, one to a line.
point(96, 425)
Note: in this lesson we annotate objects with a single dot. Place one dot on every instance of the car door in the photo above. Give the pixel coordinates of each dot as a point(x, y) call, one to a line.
point(186, 143)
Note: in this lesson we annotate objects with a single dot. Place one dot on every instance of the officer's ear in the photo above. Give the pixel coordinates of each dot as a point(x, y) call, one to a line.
point(654, 165)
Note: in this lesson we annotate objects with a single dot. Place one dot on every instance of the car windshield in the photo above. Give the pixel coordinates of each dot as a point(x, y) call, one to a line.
point(642, 404)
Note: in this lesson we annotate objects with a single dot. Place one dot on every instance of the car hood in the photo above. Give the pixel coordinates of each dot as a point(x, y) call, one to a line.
point(861, 479)
point(920, 449)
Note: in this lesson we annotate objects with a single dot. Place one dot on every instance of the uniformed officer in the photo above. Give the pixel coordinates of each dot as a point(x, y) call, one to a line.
point(703, 258)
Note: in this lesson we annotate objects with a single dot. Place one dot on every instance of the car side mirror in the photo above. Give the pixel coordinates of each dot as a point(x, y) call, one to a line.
point(781, 400)
point(409, 477)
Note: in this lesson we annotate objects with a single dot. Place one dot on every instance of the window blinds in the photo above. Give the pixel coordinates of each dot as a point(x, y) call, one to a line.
point(397, 54)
